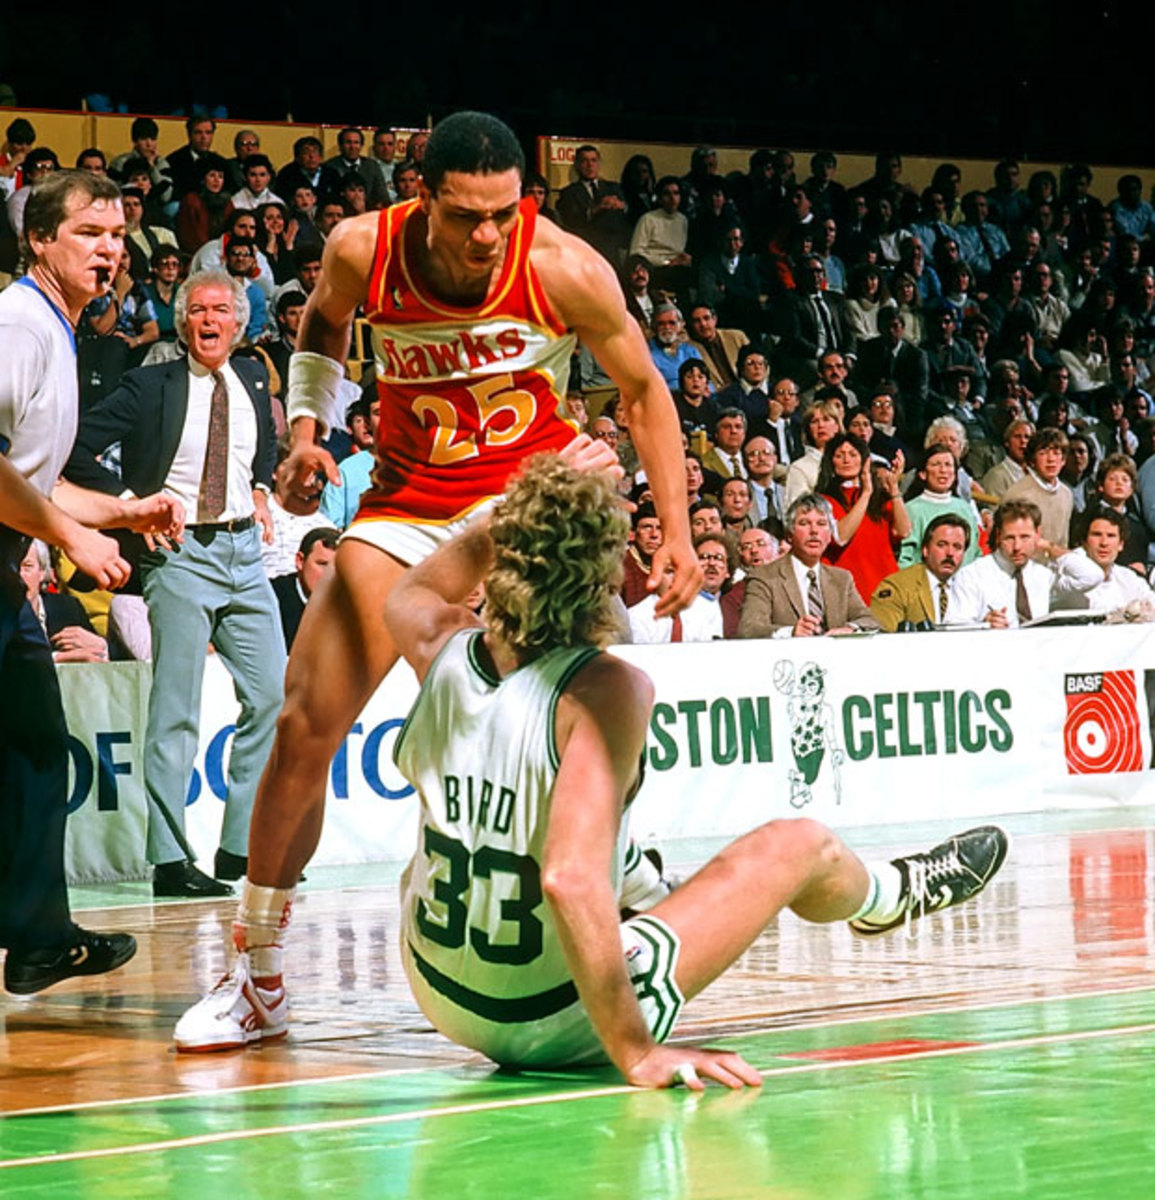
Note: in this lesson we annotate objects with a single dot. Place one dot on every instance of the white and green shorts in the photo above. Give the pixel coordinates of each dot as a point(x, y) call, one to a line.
point(516, 1033)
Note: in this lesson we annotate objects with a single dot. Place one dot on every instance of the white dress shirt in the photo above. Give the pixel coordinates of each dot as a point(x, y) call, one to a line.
point(1080, 583)
point(187, 470)
point(989, 583)
point(701, 621)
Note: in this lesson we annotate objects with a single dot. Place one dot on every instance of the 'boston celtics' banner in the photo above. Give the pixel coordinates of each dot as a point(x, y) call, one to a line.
point(852, 731)
point(898, 728)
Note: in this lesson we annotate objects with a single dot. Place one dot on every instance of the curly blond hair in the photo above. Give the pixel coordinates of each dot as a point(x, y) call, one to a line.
point(559, 538)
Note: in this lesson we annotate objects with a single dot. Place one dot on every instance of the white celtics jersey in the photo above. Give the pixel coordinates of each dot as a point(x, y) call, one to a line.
point(480, 750)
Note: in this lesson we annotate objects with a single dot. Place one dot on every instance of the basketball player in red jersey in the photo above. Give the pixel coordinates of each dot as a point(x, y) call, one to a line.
point(474, 306)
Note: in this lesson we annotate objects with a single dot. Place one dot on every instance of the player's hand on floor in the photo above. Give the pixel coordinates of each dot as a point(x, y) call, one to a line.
point(668, 1066)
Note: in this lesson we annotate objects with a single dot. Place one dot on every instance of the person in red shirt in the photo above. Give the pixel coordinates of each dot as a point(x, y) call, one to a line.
point(871, 519)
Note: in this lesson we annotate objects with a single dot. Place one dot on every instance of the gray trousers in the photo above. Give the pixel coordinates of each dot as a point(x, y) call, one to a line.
point(211, 588)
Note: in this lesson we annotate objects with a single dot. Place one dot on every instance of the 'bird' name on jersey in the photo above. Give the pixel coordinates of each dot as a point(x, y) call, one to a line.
point(478, 796)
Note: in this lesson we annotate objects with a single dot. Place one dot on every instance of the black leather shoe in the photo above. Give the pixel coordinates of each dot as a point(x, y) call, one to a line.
point(184, 879)
point(230, 866)
point(88, 954)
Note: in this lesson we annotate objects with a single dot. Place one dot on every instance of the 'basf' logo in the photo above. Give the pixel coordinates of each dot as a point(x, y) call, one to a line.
point(1101, 734)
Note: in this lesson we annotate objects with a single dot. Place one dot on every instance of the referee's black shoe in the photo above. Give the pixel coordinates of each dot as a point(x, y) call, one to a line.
point(89, 953)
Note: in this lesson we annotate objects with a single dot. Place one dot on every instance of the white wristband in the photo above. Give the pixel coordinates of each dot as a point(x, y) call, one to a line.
point(314, 390)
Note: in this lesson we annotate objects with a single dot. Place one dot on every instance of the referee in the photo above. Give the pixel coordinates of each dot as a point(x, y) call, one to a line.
point(74, 232)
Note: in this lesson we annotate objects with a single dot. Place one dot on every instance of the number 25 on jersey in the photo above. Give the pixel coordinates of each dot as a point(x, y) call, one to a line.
point(493, 396)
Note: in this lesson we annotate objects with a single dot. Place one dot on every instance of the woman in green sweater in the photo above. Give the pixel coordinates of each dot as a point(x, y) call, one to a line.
point(933, 493)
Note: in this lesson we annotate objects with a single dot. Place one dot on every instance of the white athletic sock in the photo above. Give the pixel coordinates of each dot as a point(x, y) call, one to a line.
point(263, 916)
point(642, 884)
point(885, 901)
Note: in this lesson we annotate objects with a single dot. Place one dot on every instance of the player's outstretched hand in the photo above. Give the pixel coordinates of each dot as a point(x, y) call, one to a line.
point(668, 1066)
point(98, 556)
point(307, 468)
point(686, 582)
point(585, 453)
point(159, 517)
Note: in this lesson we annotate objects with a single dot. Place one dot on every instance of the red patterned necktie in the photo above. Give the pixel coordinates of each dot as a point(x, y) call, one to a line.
point(215, 480)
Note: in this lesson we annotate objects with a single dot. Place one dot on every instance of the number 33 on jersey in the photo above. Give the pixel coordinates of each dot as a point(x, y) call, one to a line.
point(466, 394)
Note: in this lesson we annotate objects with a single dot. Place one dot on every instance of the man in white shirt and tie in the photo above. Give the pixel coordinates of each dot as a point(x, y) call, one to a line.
point(769, 495)
point(1007, 588)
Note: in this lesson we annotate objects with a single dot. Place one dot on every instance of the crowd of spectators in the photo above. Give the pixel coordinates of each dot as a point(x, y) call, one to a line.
point(940, 379)
point(917, 371)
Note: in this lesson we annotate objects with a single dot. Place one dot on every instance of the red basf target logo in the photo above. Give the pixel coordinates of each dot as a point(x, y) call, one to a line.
point(1101, 734)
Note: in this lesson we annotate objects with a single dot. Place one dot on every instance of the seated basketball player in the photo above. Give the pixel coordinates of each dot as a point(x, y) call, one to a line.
point(524, 746)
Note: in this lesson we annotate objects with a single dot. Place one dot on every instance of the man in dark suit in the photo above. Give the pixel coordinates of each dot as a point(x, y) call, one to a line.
point(799, 595)
point(318, 549)
point(891, 356)
point(182, 163)
point(593, 208)
point(307, 170)
point(201, 429)
point(729, 281)
point(349, 162)
point(812, 321)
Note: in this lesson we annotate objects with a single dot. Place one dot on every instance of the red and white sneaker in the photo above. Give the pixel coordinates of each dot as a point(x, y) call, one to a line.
point(234, 1014)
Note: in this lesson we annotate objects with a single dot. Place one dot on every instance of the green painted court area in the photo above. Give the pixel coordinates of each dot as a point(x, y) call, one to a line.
point(1043, 1099)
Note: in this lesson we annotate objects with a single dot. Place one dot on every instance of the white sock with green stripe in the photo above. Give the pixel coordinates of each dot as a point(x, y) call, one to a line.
point(886, 900)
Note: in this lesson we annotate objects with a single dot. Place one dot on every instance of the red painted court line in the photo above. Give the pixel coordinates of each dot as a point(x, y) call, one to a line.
point(871, 1050)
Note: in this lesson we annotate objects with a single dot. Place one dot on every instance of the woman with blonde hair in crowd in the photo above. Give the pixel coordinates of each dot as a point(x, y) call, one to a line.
point(821, 420)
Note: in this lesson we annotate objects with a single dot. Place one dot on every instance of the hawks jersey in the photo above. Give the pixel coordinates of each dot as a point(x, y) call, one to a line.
point(466, 394)
point(480, 750)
